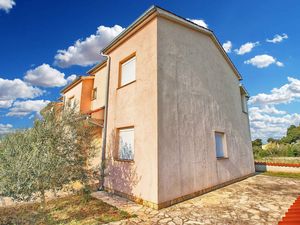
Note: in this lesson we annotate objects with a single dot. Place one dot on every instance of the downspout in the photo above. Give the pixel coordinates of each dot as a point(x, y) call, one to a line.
point(104, 134)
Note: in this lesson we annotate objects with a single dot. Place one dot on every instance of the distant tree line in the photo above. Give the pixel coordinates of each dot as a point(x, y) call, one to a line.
point(287, 146)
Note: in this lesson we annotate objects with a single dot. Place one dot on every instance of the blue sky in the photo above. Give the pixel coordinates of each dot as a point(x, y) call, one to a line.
point(45, 44)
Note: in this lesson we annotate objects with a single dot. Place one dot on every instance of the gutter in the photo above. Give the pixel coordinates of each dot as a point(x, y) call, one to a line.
point(103, 153)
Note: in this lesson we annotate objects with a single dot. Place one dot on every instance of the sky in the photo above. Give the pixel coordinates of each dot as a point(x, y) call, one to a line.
point(45, 44)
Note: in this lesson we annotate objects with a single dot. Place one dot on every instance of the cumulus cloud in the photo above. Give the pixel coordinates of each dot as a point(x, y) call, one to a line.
point(71, 78)
point(199, 22)
point(5, 103)
point(265, 124)
point(5, 129)
point(227, 46)
point(246, 48)
point(277, 38)
point(13, 89)
point(268, 121)
point(280, 64)
point(87, 52)
point(7, 5)
point(24, 108)
point(262, 61)
point(284, 94)
point(46, 76)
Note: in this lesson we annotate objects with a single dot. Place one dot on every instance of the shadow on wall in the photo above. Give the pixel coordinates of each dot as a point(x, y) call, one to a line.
point(120, 175)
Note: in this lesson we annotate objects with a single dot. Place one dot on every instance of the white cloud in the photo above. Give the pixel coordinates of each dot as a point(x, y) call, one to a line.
point(7, 5)
point(262, 61)
point(227, 46)
point(199, 22)
point(13, 89)
point(5, 103)
point(71, 78)
point(280, 64)
point(24, 108)
point(246, 48)
point(277, 38)
point(46, 76)
point(285, 94)
point(265, 124)
point(87, 52)
point(266, 120)
point(5, 129)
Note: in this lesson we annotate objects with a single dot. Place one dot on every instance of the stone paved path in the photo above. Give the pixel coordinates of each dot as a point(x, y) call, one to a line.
point(256, 200)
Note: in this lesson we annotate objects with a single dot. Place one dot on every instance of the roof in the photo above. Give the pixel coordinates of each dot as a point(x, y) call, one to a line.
point(75, 82)
point(243, 90)
point(98, 67)
point(158, 11)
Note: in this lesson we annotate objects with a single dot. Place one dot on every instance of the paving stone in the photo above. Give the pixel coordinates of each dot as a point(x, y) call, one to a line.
point(254, 201)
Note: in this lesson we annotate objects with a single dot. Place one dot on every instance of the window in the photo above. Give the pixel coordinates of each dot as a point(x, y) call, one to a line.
point(127, 71)
point(126, 143)
point(94, 94)
point(220, 145)
point(71, 101)
point(244, 103)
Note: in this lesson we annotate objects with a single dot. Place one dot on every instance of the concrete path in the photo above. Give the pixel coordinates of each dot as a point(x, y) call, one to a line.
point(256, 200)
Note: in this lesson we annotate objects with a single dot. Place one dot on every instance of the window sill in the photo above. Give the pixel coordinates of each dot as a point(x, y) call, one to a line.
point(124, 160)
point(245, 112)
point(126, 84)
point(220, 158)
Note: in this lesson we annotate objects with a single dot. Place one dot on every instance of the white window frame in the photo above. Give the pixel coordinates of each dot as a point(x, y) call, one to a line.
point(121, 154)
point(224, 154)
point(129, 59)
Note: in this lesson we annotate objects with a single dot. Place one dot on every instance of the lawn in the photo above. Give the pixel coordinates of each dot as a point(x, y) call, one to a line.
point(72, 210)
point(290, 160)
point(281, 174)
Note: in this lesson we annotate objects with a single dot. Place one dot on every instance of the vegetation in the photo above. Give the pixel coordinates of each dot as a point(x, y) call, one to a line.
point(52, 154)
point(287, 146)
point(68, 210)
point(281, 174)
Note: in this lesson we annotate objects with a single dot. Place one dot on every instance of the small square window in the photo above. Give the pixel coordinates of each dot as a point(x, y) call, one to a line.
point(127, 71)
point(94, 94)
point(71, 101)
point(220, 145)
point(126, 143)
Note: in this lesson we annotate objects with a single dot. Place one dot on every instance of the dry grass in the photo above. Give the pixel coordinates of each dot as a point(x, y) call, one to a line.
point(72, 210)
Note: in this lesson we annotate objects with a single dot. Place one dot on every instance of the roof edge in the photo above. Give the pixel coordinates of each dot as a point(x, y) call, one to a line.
point(75, 82)
point(165, 13)
point(96, 67)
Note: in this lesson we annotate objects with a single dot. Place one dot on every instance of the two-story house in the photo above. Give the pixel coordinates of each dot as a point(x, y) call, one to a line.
point(175, 115)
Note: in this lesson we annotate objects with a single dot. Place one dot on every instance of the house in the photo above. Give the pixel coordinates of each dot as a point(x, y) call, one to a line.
point(85, 93)
point(175, 115)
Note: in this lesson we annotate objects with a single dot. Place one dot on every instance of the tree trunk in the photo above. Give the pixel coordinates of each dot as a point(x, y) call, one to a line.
point(43, 200)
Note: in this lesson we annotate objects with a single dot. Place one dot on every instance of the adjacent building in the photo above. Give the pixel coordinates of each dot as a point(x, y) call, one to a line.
point(176, 115)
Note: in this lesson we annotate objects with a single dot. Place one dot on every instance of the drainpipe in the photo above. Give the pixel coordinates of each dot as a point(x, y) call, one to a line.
point(104, 133)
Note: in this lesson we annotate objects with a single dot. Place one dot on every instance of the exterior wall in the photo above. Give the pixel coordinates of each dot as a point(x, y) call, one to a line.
point(86, 96)
point(76, 91)
point(198, 93)
point(100, 84)
point(135, 105)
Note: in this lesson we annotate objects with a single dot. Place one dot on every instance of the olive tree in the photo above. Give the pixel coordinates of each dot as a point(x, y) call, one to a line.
point(52, 154)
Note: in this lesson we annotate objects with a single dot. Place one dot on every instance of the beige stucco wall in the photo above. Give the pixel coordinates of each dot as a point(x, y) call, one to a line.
point(135, 105)
point(100, 84)
point(76, 91)
point(198, 93)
